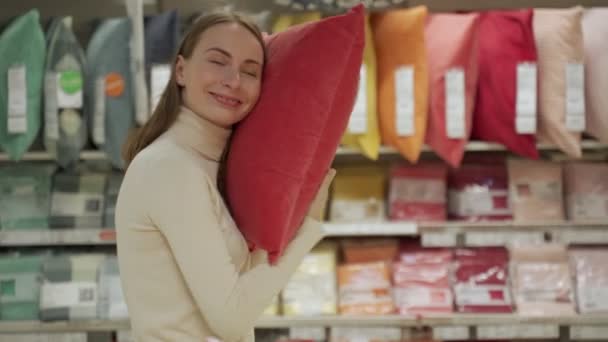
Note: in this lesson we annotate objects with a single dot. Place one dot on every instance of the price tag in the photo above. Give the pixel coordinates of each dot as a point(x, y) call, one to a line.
point(541, 331)
point(307, 333)
point(439, 239)
point(449, 333)
point(588, 332)
point(455, 103)
point(404, 95)
point(575, 97)
point(99, 115)
point(357, 123)
point(17, 100)
point(51, 120)
point(526, 101)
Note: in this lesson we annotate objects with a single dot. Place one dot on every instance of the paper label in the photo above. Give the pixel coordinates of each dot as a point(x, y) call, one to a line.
point(51, 108)
point(307, 333)
point(588, 332)
point(76, 204)
point(589, 205)
point(114, 84)
point(493, 239)
point(481, 295)
point(575, 97)
point(68, 294)
point(518, 331)
point(404, 95)
point(423, 297)
point(439, 239)
point(357, 123)
point(17, 100)
point(69, 89)
point(417, 190)
point(159, 78)
point(357, 210)
point(449, 333)
point(99, 116)
point(526, 101)
point(593, 299)
point(455, 103)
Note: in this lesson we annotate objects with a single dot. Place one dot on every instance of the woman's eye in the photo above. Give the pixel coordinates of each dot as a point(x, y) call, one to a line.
point(251, 73)
point(217, 62)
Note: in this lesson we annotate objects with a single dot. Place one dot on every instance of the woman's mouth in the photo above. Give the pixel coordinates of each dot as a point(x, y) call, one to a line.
point(227, 101)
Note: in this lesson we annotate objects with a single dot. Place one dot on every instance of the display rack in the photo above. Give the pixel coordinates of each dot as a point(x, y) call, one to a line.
point(447, 327)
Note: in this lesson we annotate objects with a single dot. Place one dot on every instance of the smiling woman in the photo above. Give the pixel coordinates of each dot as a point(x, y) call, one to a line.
point(186, 269)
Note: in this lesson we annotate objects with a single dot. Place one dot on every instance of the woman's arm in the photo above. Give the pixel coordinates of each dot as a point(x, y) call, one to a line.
point(185, 212)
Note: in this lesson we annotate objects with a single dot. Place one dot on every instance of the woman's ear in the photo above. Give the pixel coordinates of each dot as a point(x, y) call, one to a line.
point(179, 70)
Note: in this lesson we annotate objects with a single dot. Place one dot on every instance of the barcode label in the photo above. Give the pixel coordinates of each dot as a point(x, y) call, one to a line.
point(526, 110)
point(357, 123)
point(17, 100)
point(404, 95)
point(68, 294)
point(575, 97)
point(455, 103)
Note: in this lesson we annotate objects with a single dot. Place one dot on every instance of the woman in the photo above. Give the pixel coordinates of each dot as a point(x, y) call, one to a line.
point(187, 273)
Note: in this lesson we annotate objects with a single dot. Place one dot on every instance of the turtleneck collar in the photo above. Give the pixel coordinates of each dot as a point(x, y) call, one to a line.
point(193, 131)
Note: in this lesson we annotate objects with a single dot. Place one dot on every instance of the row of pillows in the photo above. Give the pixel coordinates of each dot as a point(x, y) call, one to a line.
point(511, 77)
point(75, 94)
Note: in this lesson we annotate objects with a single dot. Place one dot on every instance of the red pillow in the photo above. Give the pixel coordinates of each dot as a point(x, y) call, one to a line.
point(506, 38)
point(282, 150)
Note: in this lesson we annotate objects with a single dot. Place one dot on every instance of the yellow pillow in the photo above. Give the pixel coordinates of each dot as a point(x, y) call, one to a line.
point(366, 136)
point(285, 21)
point(402, 67)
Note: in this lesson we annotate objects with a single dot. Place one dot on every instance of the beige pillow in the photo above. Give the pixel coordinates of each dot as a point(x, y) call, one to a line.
point(559, 42)
point(595, 31)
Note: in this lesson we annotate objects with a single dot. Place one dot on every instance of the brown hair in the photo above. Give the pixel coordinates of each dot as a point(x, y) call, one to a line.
point(168, 107)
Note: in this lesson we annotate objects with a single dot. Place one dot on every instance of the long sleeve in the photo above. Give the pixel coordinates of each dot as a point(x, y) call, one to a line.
point(186, 213)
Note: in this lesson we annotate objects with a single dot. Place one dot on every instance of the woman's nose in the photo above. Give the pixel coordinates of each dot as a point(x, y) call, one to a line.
point(232, 78)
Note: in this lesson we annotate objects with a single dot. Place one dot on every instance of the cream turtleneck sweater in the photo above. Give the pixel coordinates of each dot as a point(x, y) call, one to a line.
point(186, 271)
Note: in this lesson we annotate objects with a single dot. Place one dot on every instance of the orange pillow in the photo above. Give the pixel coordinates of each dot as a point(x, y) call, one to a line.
point(402, 78)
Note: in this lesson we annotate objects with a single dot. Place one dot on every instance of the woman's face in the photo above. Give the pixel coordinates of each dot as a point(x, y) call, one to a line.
point(221, 81)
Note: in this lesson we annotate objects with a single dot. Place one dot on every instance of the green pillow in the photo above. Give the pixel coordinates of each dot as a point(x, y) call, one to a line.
point(22, 47)
point(65, 130)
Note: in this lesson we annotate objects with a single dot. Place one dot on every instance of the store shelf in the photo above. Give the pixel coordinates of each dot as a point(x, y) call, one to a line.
point(371, 229)
point(454, 320)
point(476, 146)
point(473, 146)
point(435, 234)
point(57, 237)
point(45, 156)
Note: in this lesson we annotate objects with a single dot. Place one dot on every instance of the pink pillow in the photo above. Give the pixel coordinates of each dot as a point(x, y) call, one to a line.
point(281, 152)
point(595, 31)
point(559, 41)
point(451, 42)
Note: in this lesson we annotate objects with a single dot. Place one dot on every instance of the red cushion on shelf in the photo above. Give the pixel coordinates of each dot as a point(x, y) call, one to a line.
point(506, 38)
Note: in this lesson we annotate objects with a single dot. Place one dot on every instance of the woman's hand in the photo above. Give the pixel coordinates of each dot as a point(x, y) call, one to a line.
point(317, 208)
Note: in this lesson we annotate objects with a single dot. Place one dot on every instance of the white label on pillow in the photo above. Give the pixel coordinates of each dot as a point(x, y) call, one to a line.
point(99, 116)
point(159, 77)
point(51, 121)
point(525, 106)
point(455, 103)
point(357, 123)
point(17, 100)
point(404, 95)
point(575, 97)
